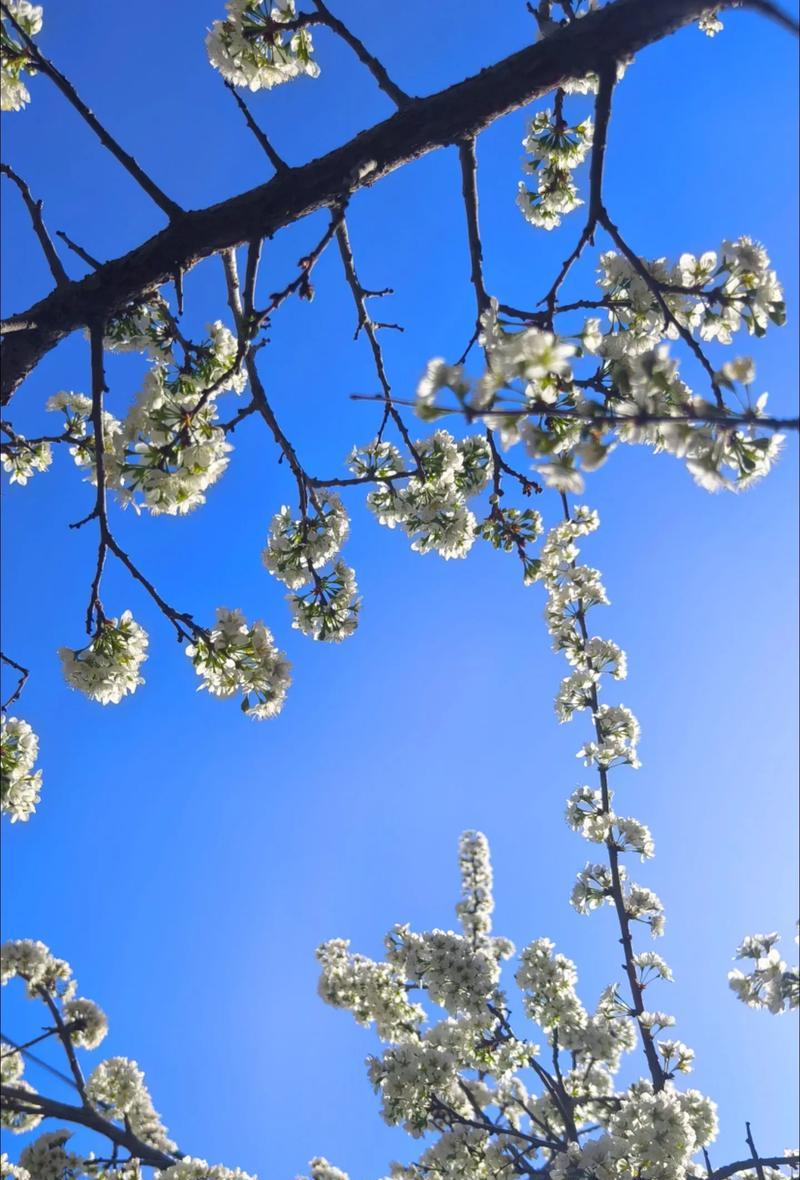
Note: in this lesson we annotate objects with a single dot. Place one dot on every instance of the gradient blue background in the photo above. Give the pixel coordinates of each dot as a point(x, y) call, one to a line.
point(186, 861)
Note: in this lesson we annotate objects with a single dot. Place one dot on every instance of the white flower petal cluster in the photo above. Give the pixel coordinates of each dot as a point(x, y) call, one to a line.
point(554, 150)
point(329, 609)
point(142, 327)
point(116, 1086)
point(431, 507)
point(718, 458)
point(675, 1056)
point(770, 983)
point(296, 548)
point(19, 788)
point(376, 460)
point(455, 975)
point(94, 1023)
point(322, 1170)
point(47, 1158)
point(642, 905)
point(191, 1168)
point(547, 981)
point(371, 991)
point(15, 61)
point(618, 735)
point(258, 46)
point(531, 391)
point(9, 1171)
point(170, 450)
point(107, 669)
point(475, 909)
point(237, 658)
point(652, 1135)
point(31, 961)
point(709, 23)
point(11, 1065)
point(22, 459)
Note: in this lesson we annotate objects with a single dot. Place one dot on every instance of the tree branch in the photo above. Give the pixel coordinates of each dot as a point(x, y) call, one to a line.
point(18, 1099)
point(277, 162)
point(398, 96)
point(422, 126)
point(21, 682)
point(165, 203)
point(35, 210)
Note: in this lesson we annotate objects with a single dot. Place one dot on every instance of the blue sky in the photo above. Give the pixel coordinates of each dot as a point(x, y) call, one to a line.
point(186, 861)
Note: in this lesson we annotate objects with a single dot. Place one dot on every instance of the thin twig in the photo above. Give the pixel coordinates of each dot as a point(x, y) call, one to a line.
point(79, 250)
point(24, 673)
point(360, 295)
point(640, 418)
point(754, 1154)
point(35, 210)
point(66, 1041)
point(278, 163)
point(165, 203)
point(398, 96)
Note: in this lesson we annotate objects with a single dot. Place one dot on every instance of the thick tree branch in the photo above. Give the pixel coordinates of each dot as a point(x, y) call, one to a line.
point(420, 127)
point(773, 1161)
point(15, 1098)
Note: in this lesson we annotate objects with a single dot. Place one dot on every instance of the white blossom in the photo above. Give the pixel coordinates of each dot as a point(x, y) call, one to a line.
point(15, 60)
point(93, 1019)
point(19, 788)
point(31, 961)
point(237, 658)
point(329, 609)
point(117, 1087)
point(770, 983)
point(251, 48)
point(107, 669)
point(22, 459)
point(296, 548)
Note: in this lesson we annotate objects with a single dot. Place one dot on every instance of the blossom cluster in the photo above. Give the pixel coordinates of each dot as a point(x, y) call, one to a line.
point(234, 657)
point(297, 552)
point(107, 669)
point(554, 150)
point(531, 392)
point(20, 784)
point(169, 449)
point(116, 1086)
point(15, 59)
point(770, 983)
point(22, 459)
point(431, 506)
point(258, 46)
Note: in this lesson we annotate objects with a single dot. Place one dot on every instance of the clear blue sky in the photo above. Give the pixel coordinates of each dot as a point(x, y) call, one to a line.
point(187, 861)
